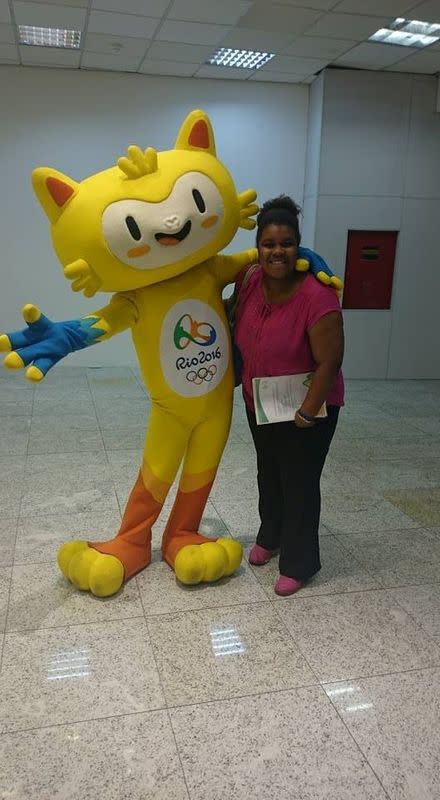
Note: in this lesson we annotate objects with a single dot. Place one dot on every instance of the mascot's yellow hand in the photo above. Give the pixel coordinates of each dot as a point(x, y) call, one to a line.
point(10, 341)
point(31, 313)
point(5, 343)
point(13, 361)
point(324, 278)
point(302, 265)
point(308, 260)
point(44, 342)
point(25, 341)
point(336, 283)
point(20, 345)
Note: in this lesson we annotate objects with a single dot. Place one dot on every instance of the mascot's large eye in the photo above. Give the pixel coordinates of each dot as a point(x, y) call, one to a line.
point(133, 228)
point(199, 201)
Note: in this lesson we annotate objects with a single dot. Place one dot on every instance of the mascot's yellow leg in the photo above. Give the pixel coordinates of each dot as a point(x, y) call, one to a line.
point(89, 570)
point(195, 558)
point(102, 567)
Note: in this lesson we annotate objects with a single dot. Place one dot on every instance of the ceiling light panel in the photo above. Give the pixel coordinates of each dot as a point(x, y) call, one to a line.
point(244, 59)
point(408, 33)
point(49, 37)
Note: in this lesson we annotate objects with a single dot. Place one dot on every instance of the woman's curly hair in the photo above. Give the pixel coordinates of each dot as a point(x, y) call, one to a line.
point(280, 210)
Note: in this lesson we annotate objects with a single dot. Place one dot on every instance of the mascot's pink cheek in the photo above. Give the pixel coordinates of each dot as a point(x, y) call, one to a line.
point(209, 222)
point(135, 252)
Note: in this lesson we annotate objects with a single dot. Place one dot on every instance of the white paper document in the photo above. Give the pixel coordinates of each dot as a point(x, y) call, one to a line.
point(278, 399)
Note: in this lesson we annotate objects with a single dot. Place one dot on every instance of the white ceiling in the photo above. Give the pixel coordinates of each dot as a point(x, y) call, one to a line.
point(175, 37)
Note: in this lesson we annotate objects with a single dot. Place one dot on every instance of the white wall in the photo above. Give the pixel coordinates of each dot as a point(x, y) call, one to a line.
point(379, 169)
point(80, 122)
point(313, 158)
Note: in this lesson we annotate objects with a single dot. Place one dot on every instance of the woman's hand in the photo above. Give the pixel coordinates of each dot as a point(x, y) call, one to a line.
point(302, 422)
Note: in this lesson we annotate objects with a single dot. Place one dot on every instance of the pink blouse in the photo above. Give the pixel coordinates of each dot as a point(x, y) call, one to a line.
point(272, 338)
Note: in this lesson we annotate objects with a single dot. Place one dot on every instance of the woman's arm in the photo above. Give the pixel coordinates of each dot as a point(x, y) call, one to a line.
point(326, 339)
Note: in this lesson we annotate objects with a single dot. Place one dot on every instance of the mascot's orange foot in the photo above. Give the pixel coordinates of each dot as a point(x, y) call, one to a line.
point(89, 570)
point(208, 562)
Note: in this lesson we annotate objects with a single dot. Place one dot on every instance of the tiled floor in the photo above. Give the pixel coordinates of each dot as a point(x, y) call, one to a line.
point(221, 692)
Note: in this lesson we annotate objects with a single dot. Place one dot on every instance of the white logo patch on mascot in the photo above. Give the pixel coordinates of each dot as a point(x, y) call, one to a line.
point(194, 348)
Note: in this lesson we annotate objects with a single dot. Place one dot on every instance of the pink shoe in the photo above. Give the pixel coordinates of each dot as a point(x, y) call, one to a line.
point(259, 555)
point(285, 586)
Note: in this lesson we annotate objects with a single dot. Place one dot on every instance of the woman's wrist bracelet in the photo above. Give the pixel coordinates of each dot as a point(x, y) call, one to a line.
point(306, 417)
point(308, 420)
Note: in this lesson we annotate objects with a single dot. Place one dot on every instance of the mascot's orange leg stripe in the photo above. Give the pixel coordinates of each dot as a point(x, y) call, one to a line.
point(184, 522)
point(132, 544)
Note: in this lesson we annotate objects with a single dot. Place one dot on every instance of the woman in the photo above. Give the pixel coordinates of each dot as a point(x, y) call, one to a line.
point(288, 323)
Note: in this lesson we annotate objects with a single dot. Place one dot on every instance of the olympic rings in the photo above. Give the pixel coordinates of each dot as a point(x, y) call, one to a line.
point(202, 374)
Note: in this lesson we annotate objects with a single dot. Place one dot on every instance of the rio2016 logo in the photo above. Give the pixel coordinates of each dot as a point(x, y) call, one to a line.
point(188, 330)
point(194, 347)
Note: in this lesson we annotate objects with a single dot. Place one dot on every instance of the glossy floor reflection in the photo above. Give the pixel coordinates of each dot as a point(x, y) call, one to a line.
point(220, 692)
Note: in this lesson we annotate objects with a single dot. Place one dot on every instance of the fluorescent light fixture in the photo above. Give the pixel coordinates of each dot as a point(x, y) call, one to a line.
point(49, 37)
point(409, 33)
point(246, 59)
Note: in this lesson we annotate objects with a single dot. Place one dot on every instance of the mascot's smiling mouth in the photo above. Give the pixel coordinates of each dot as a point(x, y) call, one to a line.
point(171, 239)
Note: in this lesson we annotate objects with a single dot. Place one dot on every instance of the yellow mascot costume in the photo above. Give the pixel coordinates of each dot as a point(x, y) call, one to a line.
point(149, 230)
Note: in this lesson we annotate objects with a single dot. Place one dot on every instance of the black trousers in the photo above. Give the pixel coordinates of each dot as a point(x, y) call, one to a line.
point(290, 462)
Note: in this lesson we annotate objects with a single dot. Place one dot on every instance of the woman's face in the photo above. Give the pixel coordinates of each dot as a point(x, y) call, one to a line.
point(278, 251)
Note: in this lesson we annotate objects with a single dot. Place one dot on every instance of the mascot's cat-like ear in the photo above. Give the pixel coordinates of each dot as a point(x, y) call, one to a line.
point(196, 133)
point(54, 190)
